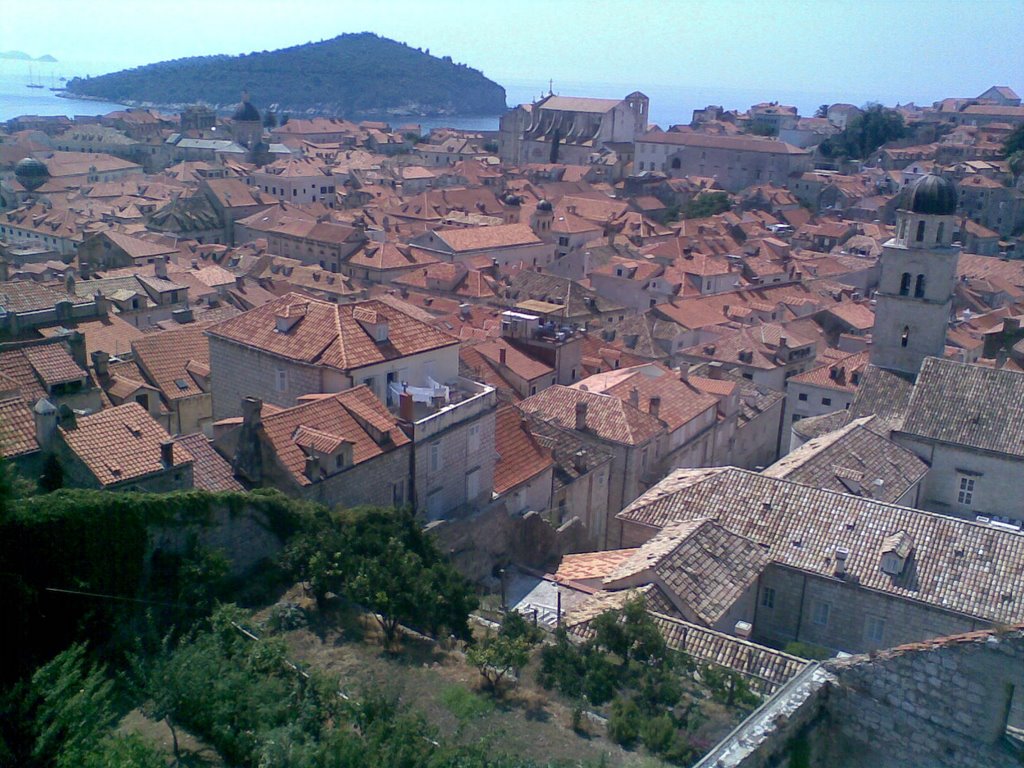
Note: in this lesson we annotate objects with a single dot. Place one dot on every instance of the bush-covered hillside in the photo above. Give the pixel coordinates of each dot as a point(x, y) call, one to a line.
point(351, 75)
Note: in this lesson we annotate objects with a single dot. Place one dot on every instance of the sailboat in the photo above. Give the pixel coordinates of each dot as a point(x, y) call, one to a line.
point(31, 80)
point(53, 83)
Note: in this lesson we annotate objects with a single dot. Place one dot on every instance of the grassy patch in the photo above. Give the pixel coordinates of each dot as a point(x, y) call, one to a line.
point(465, 704)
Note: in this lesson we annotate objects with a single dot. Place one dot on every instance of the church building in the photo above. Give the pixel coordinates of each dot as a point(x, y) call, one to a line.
point(914, 299)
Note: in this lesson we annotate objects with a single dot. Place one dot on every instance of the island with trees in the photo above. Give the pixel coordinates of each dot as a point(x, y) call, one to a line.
point(352, 75)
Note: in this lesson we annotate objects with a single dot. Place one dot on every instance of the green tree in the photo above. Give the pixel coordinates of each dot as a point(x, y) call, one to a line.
point(865, 133)
point(1015, 141)
point(821, 111)
point(625, 722)
point(499, 658)
point(74, 708)
point(706, 204)
point(383, 560)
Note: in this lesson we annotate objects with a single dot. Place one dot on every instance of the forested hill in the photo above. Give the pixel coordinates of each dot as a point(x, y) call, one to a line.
point(351, 75)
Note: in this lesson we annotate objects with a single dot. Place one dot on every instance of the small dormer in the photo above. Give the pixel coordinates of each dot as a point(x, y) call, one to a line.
point(895, 552)
point(287, 317)
point(373, 322)
point(325, 453)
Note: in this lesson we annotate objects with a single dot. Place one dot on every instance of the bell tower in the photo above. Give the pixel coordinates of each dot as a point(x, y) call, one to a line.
point(914, 299)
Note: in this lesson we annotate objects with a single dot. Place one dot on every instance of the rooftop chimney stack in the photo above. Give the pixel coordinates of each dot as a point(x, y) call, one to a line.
point(841, 554)
point(167, 453)
point(405, 407)
point(634, 397)
point(44, 414)
point(654, 405)
point(581, 417)
point(101, 363)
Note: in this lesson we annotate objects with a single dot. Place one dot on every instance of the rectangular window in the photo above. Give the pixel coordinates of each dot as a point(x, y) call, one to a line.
point(802, 397)
point(826, 401)
point(435, 457)
point(281, 380)
point(767, 598)
point(473, 443)
point(398, 494)
point(874, 630)
point(966, 494)
point(820, 613)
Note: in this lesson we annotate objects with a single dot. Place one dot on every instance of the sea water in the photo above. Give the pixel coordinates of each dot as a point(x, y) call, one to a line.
point(669, 104)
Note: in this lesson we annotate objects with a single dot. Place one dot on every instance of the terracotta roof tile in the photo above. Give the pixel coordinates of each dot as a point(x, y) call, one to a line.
point(707, 567)
point(210, 471)
point(121, 443)
point(854, 460)
point(165, 358)
point(342, 418)
point(608, 417)
point(520, 457)
point(53, 364)
point(327, 334)
point(17, 428)
point(958, 565)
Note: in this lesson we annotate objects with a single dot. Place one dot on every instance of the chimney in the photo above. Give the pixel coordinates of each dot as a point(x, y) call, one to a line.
point(160, 268)
point(101, 363)
point(841, 554)
point(252, 408)
point(167, 453)
point(45, 416)
point(654, 405)
point(405, 407)
point(502, 352)
point(684, 373)
point(76, 346)
point(634, 397)
point(102, 304)
point(579, 461)
point(581, 417)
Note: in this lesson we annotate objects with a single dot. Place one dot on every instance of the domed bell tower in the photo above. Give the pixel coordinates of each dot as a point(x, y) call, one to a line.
point(914, 299)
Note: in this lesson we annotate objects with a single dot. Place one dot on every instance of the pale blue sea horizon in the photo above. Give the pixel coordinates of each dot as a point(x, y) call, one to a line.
point(670, 104)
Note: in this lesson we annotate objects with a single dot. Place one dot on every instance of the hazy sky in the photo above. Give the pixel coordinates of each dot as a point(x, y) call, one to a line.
point(911, 49)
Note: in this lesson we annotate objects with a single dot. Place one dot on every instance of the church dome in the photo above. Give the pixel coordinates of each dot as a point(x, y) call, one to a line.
point(931, 194)
point(246, 112)
point(31, 173)
point(543, 205)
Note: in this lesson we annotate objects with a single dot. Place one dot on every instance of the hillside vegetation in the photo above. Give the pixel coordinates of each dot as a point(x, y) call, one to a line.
point(350, 75)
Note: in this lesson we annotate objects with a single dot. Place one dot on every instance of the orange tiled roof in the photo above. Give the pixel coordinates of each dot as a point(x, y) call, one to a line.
point(608, 417)
point(165, 357)
point(344, 417)
point(53, 364)
point(121, 443)
point(520, 457)
point(327, 334)
point(17, 428)
point(210, 471)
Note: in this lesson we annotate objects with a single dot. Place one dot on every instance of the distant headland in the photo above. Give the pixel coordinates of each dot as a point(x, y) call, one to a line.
point(22, 56)
point(353, 74)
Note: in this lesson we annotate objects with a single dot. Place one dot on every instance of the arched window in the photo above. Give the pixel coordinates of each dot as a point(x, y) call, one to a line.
point(905, 338)
point(920, 232)
point(903, 229)
point(676, 164)
point(939, 233)
point(919, 287)
point(905, 284)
